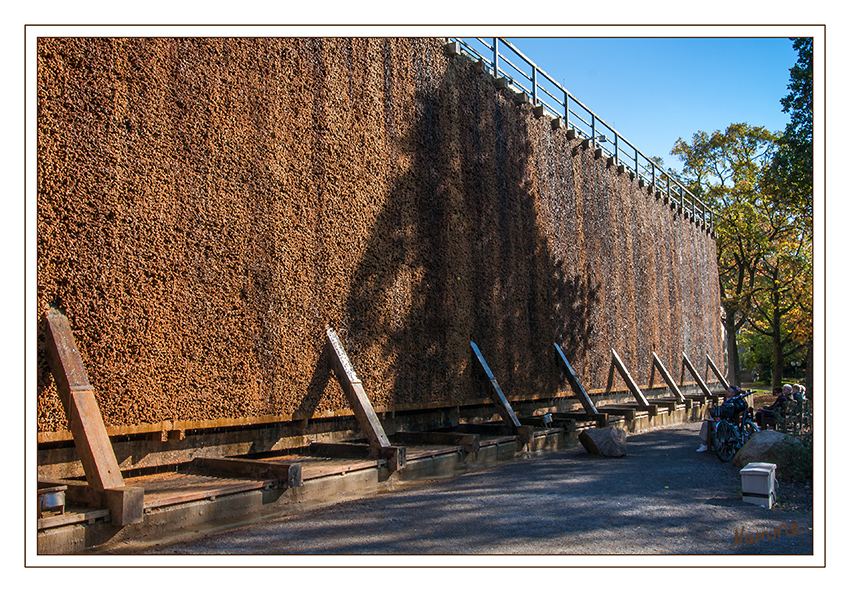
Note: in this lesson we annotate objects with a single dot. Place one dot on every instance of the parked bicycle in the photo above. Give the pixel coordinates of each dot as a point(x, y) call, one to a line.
point(729, 433)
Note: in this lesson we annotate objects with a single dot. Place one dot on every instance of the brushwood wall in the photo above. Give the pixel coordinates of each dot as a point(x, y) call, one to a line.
point(206, 206)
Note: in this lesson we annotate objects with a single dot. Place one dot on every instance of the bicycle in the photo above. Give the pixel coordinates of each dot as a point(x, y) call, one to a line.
point(728, 435)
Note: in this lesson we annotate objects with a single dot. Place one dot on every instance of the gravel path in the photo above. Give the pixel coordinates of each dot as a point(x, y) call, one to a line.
point(662, 498)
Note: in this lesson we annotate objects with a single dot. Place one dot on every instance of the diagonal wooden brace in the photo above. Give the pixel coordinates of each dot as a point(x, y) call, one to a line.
point(576, 384)
point(81, 409)
point(105, 488)
point(709, 363)
point(671, 384)
point(686, 363)
point(499, 398)
point(367, 419)
point(617, 363)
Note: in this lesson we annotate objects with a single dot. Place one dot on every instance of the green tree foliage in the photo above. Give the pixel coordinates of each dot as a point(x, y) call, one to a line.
point(725, 170)
point(760, 186)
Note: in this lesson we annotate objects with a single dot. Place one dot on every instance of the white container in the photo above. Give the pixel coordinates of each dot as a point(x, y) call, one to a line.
point(758, 483)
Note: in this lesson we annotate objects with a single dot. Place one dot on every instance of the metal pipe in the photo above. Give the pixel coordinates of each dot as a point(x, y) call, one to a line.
point(495, 57)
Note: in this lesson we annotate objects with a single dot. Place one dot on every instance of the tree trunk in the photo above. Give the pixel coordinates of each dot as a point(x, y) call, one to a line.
point(776, 327)
point(778, 359)
point(731, 347)
point(809, 369)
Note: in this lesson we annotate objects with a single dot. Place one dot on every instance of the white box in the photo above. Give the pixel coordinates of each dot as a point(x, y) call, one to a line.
point(758, 484)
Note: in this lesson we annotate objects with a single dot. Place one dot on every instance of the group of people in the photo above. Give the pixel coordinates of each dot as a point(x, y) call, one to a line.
point(785, 394)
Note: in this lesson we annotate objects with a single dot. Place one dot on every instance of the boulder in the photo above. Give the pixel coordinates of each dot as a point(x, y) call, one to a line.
point(769, 446)
point(608, 441)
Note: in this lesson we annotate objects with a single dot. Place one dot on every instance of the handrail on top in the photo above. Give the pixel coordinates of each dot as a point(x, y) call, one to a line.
point(647, 170)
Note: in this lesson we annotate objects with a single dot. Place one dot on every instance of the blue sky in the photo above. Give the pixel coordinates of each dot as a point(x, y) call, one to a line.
point(655, 90)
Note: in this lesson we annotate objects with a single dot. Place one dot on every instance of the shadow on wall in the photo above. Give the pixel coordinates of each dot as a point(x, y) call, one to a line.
point(459, 254)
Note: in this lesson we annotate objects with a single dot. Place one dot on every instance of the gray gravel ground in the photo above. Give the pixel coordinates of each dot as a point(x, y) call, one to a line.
point(662, 498)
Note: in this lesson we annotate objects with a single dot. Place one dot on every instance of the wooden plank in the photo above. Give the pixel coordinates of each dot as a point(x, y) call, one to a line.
point(670, 404)
point(687, 364)
point(633, 387)
point(671, 384)
point(357, 398)
point(288, 474)
point(395, 456)
point(77, 395)
point(502, 403)
point(710, 364)
point(576, 384)
point(469, 442)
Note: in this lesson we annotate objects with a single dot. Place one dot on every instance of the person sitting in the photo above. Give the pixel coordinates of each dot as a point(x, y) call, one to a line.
point(768, 412)
point(706, 429)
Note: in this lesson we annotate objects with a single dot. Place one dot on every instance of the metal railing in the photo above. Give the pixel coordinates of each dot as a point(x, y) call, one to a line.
point(500, 58)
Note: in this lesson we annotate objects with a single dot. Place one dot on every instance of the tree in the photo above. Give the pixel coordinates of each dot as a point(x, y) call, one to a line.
point(760, 188)
point(725, 170)
point(791, 178)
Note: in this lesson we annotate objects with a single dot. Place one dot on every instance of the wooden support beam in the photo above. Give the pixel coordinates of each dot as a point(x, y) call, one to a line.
point(396, 456)
point(670, 404)
point(617, 363)
point(709, 363)
point(671, 384)
point(504, 407)
point(686, 363)
point(81, 408)
point(286, 474)
point(469, 442)
point(601, 419)
point(357, 398)
point(576, 384)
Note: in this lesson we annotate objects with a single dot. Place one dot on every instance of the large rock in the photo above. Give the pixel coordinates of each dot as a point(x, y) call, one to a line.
point(769, 446)
point(609, 441)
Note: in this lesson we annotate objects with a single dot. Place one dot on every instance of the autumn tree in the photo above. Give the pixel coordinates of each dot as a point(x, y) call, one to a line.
point(726, 171)
point(760, 186)
point(787, 279)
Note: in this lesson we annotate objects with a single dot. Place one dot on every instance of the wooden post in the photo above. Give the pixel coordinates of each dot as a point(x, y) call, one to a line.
point(667, 378)
point(576, 384)
point(710, 363)
point(616, 362)
point(505, 409)
point(367, 419)
point(86, 424)
point(687, 364)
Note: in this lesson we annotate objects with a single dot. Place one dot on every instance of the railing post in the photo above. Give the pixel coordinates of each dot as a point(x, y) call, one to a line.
point(616, 148)
point(637, 170)
point(534, 85)
point(495, 57)
point(593, 129)
point(567, 109)
point(654, 188)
